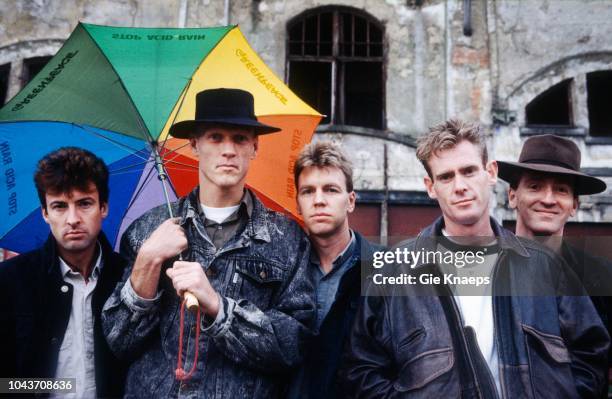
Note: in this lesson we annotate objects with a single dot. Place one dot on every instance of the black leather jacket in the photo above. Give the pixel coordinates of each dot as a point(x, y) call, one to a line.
point(415, 346)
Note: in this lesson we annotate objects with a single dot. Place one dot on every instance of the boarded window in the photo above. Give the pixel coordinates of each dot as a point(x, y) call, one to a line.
point(552, 107)
point(335, 63)
point(599, 101)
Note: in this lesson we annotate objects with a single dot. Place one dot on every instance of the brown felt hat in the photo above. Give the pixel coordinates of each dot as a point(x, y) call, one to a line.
point(551, 154)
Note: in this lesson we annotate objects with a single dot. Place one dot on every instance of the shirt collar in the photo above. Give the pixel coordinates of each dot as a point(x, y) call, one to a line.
point(342, 256)
point(66, 270)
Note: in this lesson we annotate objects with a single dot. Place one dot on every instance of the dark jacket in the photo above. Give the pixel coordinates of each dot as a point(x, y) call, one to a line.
point(324, 352)
point(257, 338)
point(595, 273)
point(415, 345)
point(34, 314)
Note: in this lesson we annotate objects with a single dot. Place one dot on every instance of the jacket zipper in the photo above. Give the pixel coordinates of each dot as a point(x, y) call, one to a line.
point(459, 320)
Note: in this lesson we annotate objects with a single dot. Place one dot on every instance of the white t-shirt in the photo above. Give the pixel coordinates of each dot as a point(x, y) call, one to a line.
point(218, 214)
point(477, 312)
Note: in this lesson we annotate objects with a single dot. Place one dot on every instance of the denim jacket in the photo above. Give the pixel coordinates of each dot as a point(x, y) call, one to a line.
point(416, 346)
point(266, 309)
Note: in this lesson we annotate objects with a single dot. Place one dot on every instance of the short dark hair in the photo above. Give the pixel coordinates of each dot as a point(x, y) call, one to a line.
point(324, 154)
point(69, 168)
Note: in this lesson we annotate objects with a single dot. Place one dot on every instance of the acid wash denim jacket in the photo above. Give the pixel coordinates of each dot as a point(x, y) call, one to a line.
point(265, 315)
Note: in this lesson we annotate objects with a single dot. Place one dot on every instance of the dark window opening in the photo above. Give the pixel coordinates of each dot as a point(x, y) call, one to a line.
point(317, 96)
point(552, 107)
point(599, 102)
point(362, 100)
point(31, 67)
point(5, 70)
point(335, 63)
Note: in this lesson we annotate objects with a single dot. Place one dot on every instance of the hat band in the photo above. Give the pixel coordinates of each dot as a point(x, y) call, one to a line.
point(236, 111)
point(552, 163)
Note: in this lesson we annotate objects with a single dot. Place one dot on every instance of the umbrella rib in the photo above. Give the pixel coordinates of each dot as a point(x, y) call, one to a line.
point(180, 163)
point(174, 151)
point(177, 109)
point(112, 172)
point(118, 144)
point(138, 191)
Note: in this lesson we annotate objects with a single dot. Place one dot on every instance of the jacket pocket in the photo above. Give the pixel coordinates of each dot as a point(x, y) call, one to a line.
point(422, 369)
point(549, 361)
point(258, 280)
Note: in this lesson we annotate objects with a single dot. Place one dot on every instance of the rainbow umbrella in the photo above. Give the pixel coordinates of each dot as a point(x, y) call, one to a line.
point(116, 91)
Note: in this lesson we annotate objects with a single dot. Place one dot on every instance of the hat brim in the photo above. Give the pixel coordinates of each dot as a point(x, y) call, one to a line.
point(585, 184)
point(185, 129)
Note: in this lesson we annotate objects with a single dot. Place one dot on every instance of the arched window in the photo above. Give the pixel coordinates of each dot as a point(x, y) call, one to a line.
point(578, 106)
point(552, 107)
point(599, 102)
point(335, 62)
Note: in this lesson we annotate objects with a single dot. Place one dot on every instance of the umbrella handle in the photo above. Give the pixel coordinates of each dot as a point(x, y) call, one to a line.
point(191, 302)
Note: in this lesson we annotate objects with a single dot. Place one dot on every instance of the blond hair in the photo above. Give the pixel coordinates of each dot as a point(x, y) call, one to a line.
point(447, 135)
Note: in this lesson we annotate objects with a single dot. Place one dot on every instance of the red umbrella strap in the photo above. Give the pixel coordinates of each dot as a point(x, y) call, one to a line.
point(180, 372)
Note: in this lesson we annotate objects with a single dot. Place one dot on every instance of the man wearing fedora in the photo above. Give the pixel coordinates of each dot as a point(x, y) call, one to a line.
point(511, 337)
point(245, 264)
point(544, 187)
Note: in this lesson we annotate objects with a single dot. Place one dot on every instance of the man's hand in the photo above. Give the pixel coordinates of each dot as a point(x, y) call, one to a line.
point(167, 241)
point(189, 276)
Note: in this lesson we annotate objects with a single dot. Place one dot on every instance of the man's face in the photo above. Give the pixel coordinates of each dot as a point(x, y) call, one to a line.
point(461, 184)
point(224, 154)
point(75, 218)
point(323, 200)
point(544, 202)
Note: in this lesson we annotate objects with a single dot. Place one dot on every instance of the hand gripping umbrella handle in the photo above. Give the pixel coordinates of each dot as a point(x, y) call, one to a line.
point(191, 302)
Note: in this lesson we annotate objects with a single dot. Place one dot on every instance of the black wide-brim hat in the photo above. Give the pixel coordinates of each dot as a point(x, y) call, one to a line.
point(226, 107)
point(548, 153)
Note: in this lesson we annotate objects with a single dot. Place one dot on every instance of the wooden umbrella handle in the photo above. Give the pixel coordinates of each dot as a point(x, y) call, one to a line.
point(191, 302)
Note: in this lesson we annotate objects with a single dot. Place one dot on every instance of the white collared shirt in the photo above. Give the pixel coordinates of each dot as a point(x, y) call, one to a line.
point(76, 355)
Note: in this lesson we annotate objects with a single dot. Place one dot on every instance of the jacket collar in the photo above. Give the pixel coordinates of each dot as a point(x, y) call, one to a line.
point(257, 226)
point(506, 240)
point(50, 251)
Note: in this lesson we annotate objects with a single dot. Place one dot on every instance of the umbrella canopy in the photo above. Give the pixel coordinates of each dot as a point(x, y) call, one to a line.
point(116, 92)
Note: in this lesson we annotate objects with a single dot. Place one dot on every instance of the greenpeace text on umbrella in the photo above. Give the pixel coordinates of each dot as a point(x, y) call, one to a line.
point(260, 76)
point(46, 81)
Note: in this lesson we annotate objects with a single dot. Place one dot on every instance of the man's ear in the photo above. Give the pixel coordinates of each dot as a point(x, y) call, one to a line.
point(429, 186)
point(104, 209)
point(193, 143)
point(492, 169)
point(45, 215)
point(352, 198)
point(512, 200)
point(255, 146)
point(575, 206)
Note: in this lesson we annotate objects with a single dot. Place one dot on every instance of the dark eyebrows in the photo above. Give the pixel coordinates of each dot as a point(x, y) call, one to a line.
point(443, 175)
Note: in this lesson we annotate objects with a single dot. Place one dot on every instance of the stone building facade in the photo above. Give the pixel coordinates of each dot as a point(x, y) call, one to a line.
point(517, 67)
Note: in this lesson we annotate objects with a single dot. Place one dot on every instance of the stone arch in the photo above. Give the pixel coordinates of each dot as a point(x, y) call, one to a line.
point(522, 91)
